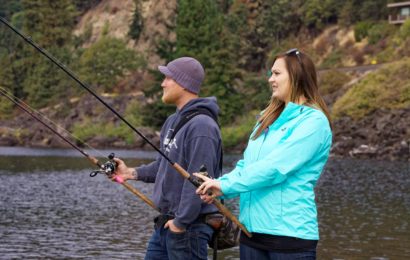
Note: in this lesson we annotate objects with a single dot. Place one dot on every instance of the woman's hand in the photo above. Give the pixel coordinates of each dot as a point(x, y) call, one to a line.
point(209, 189)
point(122, 172)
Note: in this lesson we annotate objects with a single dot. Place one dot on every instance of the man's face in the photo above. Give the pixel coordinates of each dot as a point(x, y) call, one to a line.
point(172, 91)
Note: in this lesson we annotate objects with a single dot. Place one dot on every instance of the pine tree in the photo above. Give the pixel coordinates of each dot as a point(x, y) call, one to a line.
point(49, 23)
point(201, 34)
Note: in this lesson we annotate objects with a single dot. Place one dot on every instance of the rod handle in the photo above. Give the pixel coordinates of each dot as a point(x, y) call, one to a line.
point(224, 210)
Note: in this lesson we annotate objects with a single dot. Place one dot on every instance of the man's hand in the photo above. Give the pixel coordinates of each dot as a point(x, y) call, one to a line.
point(122, 172)
point(170, 224)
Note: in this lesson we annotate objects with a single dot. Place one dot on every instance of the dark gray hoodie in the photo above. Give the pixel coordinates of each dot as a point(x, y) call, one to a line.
point(198, 142)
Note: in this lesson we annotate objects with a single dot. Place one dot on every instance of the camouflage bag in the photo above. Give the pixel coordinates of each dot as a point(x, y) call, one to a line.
point(226, 233)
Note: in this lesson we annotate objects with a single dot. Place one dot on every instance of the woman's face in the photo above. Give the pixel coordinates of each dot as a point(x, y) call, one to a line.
point(280, 81)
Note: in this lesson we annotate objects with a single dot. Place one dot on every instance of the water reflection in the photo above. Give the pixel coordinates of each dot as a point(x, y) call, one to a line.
point(50, 208)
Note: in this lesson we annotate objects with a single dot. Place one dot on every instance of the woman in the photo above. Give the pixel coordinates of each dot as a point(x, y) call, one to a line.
point(284, 158)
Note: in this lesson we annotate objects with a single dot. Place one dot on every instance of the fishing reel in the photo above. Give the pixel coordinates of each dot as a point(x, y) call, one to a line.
point(108, 168)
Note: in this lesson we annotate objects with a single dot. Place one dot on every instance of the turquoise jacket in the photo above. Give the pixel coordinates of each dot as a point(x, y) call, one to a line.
point(278, 173)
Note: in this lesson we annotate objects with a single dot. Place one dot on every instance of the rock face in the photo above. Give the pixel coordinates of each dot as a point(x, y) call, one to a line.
point(157, 18)
point(23, 130)
point(384, 134)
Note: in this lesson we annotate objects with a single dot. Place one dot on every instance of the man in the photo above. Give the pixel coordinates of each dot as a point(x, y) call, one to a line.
point(180, 231)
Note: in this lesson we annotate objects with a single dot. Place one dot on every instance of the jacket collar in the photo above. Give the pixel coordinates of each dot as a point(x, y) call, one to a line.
point(291, 111)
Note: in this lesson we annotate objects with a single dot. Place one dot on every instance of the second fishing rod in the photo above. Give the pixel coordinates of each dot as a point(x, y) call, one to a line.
point(106, 168)
point(225, 211)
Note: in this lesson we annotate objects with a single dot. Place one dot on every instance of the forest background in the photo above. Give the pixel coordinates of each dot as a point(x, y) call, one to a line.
point(115, 47)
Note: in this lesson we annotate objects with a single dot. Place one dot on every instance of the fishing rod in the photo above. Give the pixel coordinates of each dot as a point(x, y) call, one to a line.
point(196, 182)
point(107, 168)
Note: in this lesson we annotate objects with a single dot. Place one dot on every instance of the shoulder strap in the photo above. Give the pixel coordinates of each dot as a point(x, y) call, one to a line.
point(188, 116)
point(191, 114)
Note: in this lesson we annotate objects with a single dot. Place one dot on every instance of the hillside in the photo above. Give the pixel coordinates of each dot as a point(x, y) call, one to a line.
point(115, 46)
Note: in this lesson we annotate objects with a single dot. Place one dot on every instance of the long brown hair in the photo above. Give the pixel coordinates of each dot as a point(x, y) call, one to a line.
point(303, 80)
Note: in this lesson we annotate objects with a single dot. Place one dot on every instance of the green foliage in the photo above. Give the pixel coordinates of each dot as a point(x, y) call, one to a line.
point(6, 106)
point(154, 114)
point(106, 61)
point(374, 10)
point(257, 91)
point(332, 60)
point(386, 88)
point(89, 129)
point(134, 113)
point(200, 34)
point(380, 31)
point(405, 30)
point(28, 74)
point(105, 29)
point(137, 24)
point(361, 30)
point(49, 22)
point(239, 132)
point(331, 81)
point(45, 82)
point(84, 5)
point(319, 13)
point(346, 15)
point(8, 8)
point(79, 40)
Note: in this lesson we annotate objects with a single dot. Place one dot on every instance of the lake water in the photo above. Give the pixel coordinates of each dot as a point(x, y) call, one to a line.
point(51, 209)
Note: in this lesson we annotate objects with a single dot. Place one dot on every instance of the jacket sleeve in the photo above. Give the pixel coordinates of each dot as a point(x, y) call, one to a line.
point(201, 150)
point(235, 172)
point(305, 142)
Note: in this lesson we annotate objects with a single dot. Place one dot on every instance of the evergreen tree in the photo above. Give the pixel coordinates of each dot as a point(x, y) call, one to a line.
point(137, 24)
point(201, 34)
point(318, 14)
point(49, 23)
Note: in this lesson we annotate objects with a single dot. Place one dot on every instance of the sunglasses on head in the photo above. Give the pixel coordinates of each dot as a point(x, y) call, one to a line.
point(294, 51)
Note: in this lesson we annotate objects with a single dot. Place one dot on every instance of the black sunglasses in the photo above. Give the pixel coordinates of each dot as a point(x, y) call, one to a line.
point(296, 52)
point(289, 52)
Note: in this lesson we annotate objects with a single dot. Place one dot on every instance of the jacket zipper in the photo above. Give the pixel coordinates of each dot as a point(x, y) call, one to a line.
point(250, 193)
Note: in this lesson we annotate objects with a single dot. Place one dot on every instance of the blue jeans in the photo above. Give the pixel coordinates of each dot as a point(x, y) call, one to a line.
point(191, 244)
point(250, 253)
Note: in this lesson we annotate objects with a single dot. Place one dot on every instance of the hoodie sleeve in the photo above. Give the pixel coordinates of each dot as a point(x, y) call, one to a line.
point(200, 150)
point(310, 138)
point(148, 172)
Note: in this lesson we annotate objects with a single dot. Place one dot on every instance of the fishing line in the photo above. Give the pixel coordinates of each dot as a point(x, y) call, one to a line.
point(225, 211)
point(107, 168)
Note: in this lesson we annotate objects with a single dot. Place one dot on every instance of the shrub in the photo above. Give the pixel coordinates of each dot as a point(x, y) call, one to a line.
point(361, 30)
point(332, 80)
point(386, 88)
point(379, 31)
point(239, 132)
point(105, 62)
point(405, 30)
point(332, 60)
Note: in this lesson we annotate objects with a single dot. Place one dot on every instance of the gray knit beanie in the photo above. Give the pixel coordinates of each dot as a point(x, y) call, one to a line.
point(186, 71)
